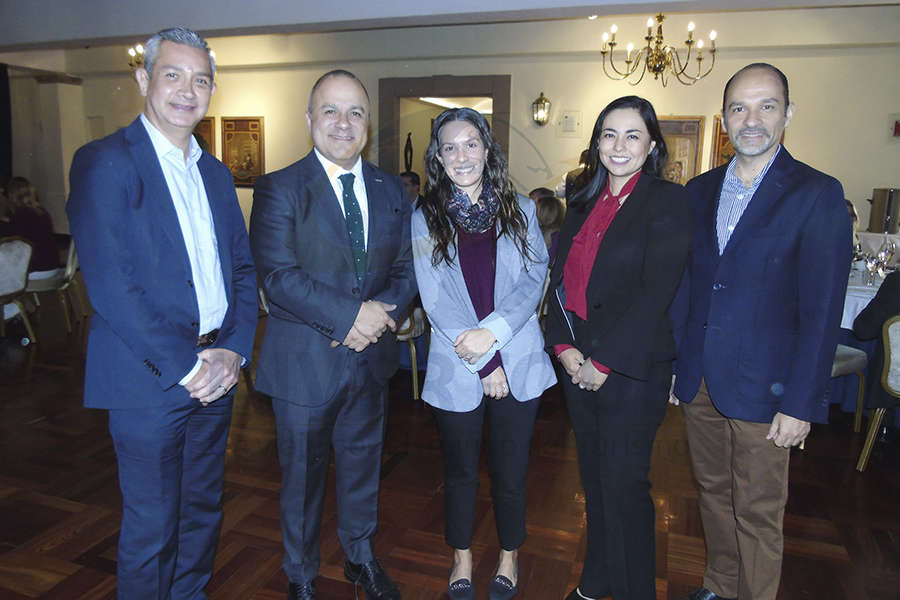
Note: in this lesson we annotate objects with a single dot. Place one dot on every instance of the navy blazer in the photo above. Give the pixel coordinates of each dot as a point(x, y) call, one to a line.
point(760, 323)
point(134, 261)
point(634, 278)
point(299, 239)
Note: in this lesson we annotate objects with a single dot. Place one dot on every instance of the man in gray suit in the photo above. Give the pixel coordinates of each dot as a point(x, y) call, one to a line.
point(331, 236)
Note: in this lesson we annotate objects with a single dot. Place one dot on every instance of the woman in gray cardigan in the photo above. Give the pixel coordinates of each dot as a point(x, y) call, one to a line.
point(480, 263)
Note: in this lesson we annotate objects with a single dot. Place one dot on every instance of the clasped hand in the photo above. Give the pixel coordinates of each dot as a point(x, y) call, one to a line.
point(471, 344)
point(371, 322)
point(495, 385)
point(583, 372)
point(218, 373)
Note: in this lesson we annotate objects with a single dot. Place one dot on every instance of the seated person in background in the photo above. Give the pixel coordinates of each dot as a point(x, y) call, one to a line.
point(867, 326)
point(411, 182)
point(28, 219)
point(550, 214)
point(5, 227)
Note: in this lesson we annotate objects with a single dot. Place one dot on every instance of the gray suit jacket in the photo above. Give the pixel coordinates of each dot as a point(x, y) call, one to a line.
point(299, 238)
point(451, 383)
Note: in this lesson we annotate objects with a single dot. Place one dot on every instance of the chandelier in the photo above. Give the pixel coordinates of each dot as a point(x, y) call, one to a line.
point(136, 56)
point(657, 57)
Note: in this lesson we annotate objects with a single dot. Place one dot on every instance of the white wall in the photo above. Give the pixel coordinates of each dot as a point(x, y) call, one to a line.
point(845, 94)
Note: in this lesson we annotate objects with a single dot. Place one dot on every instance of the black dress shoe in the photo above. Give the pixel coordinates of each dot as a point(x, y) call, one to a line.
point(704, 594)
point(373, 579)
point(301, 591)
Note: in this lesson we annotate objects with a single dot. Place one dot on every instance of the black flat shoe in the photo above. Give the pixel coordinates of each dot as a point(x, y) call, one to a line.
point(461, 589)
point(502, 588)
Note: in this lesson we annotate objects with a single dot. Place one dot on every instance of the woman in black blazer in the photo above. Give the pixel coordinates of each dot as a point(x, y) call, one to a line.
point(622, 250)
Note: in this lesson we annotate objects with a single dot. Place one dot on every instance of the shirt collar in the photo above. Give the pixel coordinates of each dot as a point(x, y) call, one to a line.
point(165, 149)
point(333, 171)
point(729, 172)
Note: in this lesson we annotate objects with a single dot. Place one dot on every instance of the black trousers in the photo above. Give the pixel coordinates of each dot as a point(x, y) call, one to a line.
point(510, 427)
point(614, 432)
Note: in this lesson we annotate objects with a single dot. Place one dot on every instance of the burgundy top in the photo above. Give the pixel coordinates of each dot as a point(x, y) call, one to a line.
point(583, 254)
point(479, 274)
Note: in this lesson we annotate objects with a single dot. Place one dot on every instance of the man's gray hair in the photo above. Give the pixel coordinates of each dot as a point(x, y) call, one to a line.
point(177, 35)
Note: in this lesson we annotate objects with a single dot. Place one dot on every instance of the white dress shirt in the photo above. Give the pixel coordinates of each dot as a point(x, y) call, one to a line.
point(197, 228)
point(334, 171)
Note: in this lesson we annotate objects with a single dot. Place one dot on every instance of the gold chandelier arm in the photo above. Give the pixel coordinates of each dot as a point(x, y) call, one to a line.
point(687, 79)
point(679, 67)
point(640, 56)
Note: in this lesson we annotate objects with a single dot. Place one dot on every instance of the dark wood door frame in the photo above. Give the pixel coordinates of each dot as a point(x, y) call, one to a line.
point(391, 90)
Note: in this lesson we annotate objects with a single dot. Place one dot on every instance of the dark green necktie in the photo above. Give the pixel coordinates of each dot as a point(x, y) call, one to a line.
point(354, 225)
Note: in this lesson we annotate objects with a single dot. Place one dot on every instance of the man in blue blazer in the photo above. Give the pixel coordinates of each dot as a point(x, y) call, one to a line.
point(165, 255)
point(757, 321)
point(331, 236)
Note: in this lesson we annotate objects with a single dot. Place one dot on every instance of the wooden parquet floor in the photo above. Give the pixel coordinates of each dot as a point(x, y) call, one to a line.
point(60, 504)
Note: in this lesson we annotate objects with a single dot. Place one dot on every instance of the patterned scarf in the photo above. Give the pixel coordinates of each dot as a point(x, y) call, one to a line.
point(475, 217)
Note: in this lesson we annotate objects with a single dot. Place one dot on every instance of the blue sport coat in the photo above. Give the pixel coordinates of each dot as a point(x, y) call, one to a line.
point(452, 383)
point(135, 264)
point(300, 242)
point(760, 323)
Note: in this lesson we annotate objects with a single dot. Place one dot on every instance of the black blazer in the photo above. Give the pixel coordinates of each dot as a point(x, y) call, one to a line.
point(867, 326)
point(635, 275)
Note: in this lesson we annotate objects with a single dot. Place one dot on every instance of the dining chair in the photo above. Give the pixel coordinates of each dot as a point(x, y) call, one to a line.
point(15, 255)
point(414, 326)
point(63, 283)
point(849, 361)
point(890, 381)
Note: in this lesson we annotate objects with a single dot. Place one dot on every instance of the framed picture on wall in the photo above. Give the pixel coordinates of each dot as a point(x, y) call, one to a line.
point(243, 149)
point(722, 150)
point(684, 140)
point(205, 132)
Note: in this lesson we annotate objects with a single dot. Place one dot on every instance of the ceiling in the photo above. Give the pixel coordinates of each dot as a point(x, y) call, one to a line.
point(25, 25)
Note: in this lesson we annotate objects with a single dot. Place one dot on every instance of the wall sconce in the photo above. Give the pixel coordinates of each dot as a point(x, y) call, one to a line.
point(136, 56)
point(540, 110)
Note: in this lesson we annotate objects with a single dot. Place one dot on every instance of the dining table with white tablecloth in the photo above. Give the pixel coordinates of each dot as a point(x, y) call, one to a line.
point(843, 389)
point(858, 296)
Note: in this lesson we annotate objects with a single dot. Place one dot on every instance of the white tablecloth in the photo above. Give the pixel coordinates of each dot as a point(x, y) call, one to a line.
point(858, 296)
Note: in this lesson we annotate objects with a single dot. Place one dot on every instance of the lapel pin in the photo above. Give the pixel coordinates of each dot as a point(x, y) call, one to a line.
point(377, 180)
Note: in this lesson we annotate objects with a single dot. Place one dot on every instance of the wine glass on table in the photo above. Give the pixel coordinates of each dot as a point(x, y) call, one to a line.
point(872, 263)
point(885, 252)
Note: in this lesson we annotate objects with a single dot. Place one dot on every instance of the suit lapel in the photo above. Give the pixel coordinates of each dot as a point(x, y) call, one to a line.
point(709, 196)
point(621, 225)
point(767, 195)
point(214, 197)
point(155, 189)
point(328, 208)
point(378, 205)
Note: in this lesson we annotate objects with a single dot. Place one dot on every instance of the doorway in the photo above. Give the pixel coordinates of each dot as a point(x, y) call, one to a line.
point(391, 91)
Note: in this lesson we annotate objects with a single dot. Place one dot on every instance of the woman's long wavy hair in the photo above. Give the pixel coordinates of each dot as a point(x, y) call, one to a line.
point(439, 188)
point(594, 177)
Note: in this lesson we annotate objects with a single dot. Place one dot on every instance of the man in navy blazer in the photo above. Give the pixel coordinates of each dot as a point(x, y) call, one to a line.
point(757, 321)
point(165, 255)
point(331, 236)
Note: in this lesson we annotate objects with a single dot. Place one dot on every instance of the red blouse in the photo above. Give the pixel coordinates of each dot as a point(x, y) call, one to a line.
point(583, 254)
